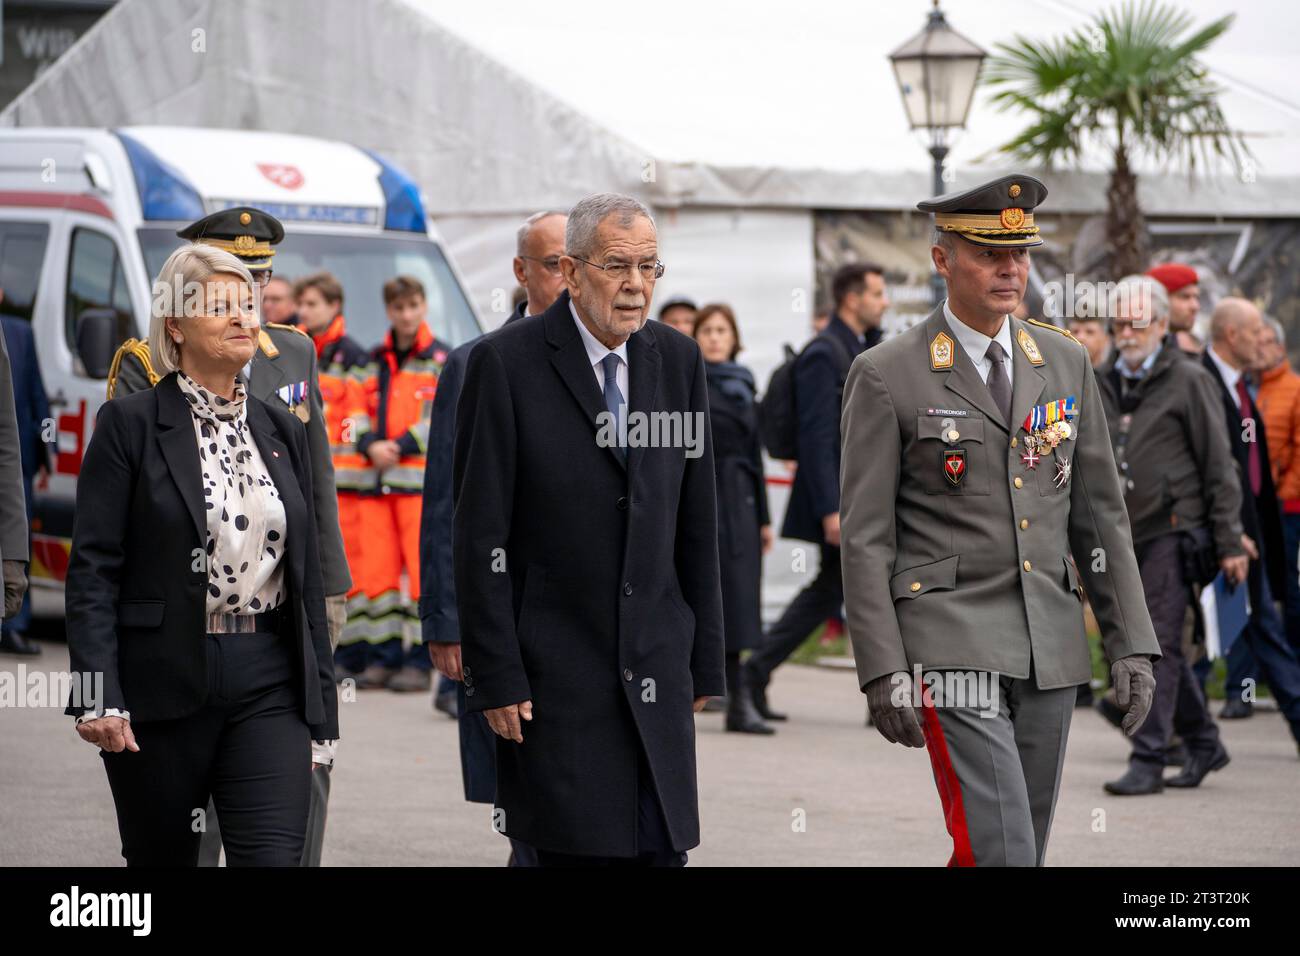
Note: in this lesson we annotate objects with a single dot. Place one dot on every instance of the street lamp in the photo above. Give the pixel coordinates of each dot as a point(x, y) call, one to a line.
point(936, 72)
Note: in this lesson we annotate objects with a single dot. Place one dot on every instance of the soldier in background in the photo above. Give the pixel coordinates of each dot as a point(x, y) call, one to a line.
point(283, 369)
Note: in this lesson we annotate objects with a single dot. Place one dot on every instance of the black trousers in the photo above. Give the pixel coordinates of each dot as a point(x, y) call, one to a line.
point(819, 601)
point(1179, 704)
point(249, 748)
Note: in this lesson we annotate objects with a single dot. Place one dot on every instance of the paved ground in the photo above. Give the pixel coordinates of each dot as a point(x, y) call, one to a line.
point(397, 793)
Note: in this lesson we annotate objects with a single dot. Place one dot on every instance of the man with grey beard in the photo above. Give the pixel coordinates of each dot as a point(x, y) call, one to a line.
point(1184, 502)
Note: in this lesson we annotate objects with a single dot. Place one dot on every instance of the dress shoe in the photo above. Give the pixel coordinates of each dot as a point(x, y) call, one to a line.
point(1234, 708)
point(1113, 713)
point(447, 703)
point(1199, 763)
point(742, 716)
point(15, 642)
point(410, 679)
point(376, 675)
point(757, 687)
point(1141, 777)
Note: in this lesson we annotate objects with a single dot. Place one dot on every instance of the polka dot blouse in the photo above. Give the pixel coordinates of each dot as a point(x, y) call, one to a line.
point(245, 516)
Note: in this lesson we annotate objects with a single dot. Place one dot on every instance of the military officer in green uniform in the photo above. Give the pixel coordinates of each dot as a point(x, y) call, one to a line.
point(979, 500)
point(283, 369)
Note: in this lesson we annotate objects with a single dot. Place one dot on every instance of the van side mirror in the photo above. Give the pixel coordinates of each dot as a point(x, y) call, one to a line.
point(97, 340)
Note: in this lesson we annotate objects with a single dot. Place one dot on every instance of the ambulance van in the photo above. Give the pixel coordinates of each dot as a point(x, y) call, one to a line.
point(88, 216)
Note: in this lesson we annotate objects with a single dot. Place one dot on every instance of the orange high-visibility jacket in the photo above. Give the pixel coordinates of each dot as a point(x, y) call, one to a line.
point(337, 357)
point(394, 402)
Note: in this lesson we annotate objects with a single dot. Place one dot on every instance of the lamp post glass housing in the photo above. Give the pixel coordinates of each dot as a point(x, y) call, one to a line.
point(936, 72)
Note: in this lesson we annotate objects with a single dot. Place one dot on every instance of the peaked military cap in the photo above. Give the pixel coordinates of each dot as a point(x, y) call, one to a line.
point(999, 213)
point(242, 230)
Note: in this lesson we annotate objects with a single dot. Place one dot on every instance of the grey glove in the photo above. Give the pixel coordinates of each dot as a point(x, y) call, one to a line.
point(1135, 686)
point(336, 615)
point(15, 575)
point(892, 710)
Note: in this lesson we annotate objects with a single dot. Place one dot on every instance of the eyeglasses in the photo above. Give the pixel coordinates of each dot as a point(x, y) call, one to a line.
point(623, 270)
point(551, 263)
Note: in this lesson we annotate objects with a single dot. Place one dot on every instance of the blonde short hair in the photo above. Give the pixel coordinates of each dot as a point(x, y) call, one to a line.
point(188, 266)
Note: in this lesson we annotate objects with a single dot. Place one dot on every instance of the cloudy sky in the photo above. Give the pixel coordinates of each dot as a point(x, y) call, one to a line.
point(807, 83)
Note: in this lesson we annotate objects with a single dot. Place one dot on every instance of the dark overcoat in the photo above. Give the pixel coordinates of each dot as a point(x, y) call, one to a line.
point(586, 584)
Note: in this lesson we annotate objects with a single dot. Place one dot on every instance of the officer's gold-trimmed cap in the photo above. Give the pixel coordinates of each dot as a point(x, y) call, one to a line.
point(246, 232)
point(999, 213)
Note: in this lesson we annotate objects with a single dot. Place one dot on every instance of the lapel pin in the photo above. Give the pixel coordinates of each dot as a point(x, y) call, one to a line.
point(275, 454)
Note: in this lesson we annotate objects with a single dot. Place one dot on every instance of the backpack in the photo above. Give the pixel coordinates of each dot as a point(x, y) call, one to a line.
point(778, 419)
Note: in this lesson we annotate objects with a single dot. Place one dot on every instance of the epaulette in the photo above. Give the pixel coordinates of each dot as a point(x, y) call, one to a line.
point(287, 328)
point(140, 349)
point(1055, 328)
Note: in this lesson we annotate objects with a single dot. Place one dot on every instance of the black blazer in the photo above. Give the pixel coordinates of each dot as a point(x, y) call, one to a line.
point(585, 584)
point(1261, 518)
point(136, 593)
point(819, 375)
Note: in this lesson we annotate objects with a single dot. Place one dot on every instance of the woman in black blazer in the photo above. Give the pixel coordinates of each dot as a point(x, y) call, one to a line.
point(744, 529)
point(194, 590)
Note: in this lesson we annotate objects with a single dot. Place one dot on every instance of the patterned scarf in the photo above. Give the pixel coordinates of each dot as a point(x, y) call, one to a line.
point(245, 516)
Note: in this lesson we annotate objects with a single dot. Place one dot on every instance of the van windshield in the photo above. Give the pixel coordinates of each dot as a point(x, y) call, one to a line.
point(362, 264)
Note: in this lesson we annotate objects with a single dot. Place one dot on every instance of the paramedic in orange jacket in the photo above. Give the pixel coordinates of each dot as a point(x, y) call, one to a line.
point(396, 392)
point(319, 300)
point(1279, 405)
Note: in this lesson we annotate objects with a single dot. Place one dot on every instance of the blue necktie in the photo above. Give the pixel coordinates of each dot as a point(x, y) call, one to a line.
point(613, 397)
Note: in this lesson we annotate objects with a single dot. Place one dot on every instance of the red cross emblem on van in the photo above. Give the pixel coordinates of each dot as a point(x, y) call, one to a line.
point(282, 174)
point(954, 465)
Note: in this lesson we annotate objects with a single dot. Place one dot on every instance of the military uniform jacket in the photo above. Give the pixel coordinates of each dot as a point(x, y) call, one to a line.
point(978, 574)
point(278, 367)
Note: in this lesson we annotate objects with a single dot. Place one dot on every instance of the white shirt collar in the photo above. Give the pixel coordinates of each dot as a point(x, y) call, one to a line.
point(976, 343)
point(595, 350)
point(1226, 371)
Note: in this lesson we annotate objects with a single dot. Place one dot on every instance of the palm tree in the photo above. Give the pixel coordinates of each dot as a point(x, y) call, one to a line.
point(1129, 82)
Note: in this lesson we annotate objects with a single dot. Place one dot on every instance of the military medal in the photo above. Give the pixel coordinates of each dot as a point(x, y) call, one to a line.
point(1048, 425)
point(1030, 458)
point(1063, 468)
point(954, 465)
point(295, 396)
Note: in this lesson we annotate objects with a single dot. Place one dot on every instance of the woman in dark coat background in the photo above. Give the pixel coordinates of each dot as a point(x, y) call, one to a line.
point(744, 528)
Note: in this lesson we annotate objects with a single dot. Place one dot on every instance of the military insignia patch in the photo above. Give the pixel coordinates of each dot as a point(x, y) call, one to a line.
point(954, 465)
point(941, 352)
point(1013, 217)
point(1029, 347)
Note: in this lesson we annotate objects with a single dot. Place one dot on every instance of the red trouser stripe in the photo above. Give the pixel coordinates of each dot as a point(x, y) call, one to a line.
point(945, 778)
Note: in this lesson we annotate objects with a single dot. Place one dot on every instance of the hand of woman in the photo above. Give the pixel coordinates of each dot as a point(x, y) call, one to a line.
point(109, 733)
point(766, 533)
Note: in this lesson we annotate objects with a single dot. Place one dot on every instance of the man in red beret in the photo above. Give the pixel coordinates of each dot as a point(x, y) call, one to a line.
point(1180, 282)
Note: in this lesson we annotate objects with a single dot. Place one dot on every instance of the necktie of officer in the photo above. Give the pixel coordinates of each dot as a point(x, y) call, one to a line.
point(998, 383)
point(613, 397)
point(1253, 468)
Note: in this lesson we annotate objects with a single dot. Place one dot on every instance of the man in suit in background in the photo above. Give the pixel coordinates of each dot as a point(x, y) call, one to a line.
point(813, 511)
point(1235, 329)
point(32, 409)
point(538, 247)
point(585, 555)
point(13, 507)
